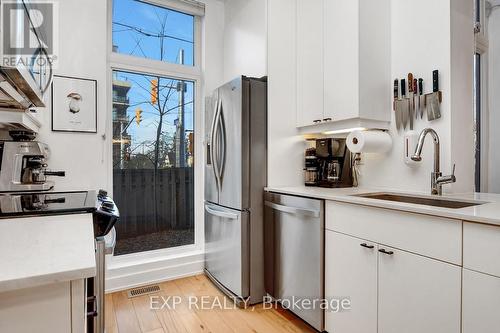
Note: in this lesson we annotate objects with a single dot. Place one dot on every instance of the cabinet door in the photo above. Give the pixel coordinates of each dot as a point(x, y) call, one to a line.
point(417, 294)
point(309, 62)
point(481, 301)
point(341, 51)
point(351, 271)
point(43, 309)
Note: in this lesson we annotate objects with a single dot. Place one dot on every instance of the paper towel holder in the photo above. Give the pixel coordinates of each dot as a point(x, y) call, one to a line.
point(370, 141)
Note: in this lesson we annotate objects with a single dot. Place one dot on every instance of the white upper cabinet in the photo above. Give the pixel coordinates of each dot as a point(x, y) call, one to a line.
point(309, 62)
point(343, 63)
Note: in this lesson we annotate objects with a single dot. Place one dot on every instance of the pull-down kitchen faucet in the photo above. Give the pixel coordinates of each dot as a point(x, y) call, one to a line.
point(437, 179)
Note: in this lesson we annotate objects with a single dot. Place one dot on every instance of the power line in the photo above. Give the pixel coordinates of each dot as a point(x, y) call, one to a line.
point(151, 34)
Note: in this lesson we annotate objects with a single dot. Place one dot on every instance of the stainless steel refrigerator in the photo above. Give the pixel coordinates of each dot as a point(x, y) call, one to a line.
point(235, 177)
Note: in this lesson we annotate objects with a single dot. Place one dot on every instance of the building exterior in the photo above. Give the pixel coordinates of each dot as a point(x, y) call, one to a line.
point(121, 139)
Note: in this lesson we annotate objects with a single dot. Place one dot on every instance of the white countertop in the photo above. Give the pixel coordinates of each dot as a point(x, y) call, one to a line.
point(36, 251)
point(488, 213)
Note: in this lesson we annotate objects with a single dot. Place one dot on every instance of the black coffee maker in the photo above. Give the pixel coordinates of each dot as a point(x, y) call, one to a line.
point(332, 164)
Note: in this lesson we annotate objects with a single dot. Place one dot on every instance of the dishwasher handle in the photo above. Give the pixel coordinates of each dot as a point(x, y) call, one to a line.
point(293, 210)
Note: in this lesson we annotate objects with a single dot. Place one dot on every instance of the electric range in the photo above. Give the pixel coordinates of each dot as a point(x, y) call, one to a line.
point(104, 216)
point(26, 204)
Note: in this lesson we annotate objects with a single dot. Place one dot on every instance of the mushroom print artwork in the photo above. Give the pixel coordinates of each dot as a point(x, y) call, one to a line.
point(74, 102)
point(74, 105)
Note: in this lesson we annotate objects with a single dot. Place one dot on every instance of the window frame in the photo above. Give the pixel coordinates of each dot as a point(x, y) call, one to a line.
point(481, 130)
point(139, 65)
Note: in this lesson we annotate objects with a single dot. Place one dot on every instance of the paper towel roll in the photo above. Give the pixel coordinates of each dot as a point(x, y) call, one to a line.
point(369, 142)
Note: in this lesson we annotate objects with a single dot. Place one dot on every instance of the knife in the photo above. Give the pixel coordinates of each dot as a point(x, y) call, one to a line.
point(410, 99)
point(421, 97)
point(404, 104)
point(397, 105)
point(433, 111)
point(415, 97)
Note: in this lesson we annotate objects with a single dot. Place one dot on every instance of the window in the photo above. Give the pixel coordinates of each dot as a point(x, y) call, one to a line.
point(155, 77)
point(153, 32)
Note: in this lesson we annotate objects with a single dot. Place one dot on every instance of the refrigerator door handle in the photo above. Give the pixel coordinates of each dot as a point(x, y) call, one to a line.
point(293, 210)
point(215, 147)
point(220, 213)
point(223, 146)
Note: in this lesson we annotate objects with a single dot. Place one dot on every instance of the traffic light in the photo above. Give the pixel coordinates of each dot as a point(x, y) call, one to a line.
point(191, 143)
point(154, 91)
point(138, 116)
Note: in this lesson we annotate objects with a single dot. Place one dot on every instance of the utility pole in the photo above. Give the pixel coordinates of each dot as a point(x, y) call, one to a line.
point(180, 141)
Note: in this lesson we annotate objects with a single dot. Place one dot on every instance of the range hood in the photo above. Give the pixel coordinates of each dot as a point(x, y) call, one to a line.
point(18, 89)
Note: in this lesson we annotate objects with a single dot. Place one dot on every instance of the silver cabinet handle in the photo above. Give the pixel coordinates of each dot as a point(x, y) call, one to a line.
point(220, 213)
point(293, 210)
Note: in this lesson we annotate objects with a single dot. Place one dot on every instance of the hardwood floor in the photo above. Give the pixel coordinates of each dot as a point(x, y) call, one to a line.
point(136, 315)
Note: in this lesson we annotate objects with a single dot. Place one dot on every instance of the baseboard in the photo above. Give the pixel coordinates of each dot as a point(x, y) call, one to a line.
point(139, 274)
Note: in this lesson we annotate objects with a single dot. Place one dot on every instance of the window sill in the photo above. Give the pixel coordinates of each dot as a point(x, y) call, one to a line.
point(144, 268)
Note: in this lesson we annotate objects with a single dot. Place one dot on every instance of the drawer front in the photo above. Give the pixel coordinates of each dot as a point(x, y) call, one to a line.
point(482, 248)
point(435, 237)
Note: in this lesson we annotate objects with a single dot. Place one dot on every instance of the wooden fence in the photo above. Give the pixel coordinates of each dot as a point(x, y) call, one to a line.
point(133, 192)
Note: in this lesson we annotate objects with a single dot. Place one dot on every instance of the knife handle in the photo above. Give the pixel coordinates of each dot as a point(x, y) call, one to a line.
point(415, 86)
point(396, 89)
point(403, 87)
point(410, 82)
point(435, 81)
point(421, 86)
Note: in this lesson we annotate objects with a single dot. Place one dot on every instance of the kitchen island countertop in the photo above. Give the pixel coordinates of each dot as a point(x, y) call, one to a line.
point(37, 251)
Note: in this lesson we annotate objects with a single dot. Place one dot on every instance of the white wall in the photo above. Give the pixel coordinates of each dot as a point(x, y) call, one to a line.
point(245, 38)
point(82, 53)
point(432, 45)
point(213, 31)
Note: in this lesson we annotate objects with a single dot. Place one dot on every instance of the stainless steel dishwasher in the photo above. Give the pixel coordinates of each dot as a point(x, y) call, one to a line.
point(294, 253)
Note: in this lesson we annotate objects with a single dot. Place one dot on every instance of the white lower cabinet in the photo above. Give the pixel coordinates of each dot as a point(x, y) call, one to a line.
point(417, 294)
point(391, 291)
point(52, 308)
point(481, 302)
point(351, 272)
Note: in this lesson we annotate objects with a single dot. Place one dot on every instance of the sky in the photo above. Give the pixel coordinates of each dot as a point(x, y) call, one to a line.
point(129, 16)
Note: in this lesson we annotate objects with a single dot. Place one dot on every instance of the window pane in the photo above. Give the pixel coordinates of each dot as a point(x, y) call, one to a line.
point(148, 31)
point(153, 175)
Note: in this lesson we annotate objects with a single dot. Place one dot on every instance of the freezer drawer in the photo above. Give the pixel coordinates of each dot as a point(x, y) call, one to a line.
point(294, 252)
point(227, 248)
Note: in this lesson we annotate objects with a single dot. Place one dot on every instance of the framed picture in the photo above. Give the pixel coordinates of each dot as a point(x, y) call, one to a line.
point(74, 104)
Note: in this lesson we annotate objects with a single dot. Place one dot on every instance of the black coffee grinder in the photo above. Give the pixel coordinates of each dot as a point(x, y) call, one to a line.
point(333, 164)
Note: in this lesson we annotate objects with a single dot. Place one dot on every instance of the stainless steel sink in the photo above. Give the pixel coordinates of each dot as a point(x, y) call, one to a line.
point(428, 201)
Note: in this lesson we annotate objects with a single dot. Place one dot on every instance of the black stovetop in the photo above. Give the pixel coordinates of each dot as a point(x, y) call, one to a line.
point(47, 203)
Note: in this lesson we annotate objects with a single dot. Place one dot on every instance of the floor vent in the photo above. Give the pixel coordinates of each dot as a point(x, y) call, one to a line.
point(143, 291)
